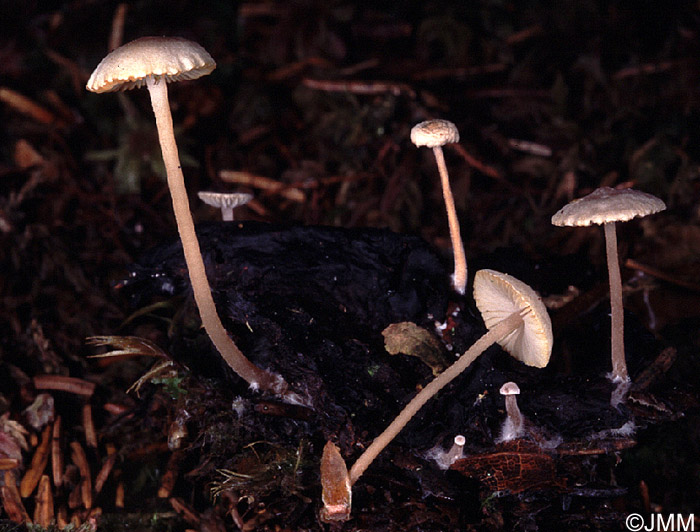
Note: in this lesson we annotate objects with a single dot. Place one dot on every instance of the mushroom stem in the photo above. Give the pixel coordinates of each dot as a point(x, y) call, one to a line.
point(255, 376)
point(498, 332)
point(513, 412)
point(459, 280)
point(617, 342)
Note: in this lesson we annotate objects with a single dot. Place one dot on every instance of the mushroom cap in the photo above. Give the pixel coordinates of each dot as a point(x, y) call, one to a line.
point(607, 204)
point(167, 58)
point(497, 296)
point(510, 388)
point(225, 200)
point(434, 133)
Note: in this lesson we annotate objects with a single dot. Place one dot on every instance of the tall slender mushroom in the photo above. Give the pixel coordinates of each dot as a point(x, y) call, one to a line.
point(435, 134)
point(154, 62)
point(605, 206)
point(517, 320)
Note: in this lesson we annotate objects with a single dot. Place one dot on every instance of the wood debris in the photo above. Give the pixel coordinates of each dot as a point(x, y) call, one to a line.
point(64, 384)
point(11, 500)
point(80, 459)
point(39, 461)
point(44, 510)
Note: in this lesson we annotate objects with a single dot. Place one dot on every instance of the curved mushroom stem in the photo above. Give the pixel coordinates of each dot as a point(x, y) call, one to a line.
point(459, 280)
point(255, 376)
point(500, 331)
point(617, 343)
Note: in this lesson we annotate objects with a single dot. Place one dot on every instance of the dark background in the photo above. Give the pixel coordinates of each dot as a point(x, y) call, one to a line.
point(606, 92)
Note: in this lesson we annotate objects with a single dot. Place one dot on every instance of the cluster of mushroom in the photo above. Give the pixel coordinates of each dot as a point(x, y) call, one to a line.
point(511, 310)
point(517, 320)
point(604, 206)
point(513, 313)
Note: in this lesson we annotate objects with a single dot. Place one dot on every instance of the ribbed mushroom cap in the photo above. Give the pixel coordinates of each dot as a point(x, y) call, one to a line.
point(497, 296)
point(434, 133)
point(167, 58)
point(605, 205)
point(510, 388)
point(225, 200)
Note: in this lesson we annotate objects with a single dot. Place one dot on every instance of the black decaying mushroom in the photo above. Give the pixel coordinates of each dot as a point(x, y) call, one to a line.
point(154, 62)
point(517, 320)
point(435, 134)
point(605, 206)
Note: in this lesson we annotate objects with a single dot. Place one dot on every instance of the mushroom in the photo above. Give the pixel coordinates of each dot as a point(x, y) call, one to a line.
point(513, 425)
point(517, 320)
point(226, 201)
point(154, 62)
point(435, 134)
point(457, 450)
point(606, 206)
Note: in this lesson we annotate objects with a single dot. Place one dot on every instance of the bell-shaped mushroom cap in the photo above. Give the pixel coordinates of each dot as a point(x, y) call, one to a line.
point(510, 388)
point(607, 204)
point(497, 296)
point(225, 200)
point(167, 58)
point(434, 133)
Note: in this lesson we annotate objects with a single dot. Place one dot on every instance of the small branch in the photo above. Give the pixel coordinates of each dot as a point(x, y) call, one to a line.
point(359, 87)
point(64, 384)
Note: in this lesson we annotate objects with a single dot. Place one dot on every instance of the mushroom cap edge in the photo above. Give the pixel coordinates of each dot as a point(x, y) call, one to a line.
point(605, 205)
point(497, 295)
point(167, 58)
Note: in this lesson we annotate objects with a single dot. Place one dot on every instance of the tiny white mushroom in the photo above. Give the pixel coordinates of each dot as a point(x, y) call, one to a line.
point(456, 451)
point(445, 458)
point(513, 425)
point(226, 201)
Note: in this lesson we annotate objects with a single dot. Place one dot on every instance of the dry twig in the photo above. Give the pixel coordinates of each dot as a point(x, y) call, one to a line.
point(39, 461)
point(64, 384)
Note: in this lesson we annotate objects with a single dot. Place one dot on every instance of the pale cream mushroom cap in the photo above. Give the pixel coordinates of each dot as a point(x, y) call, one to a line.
point(460, 440)
point(510, 388)
point(168, 58)
point(606, 205)
point(434, 133)
point(225, 200)
point(497, 296)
